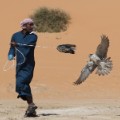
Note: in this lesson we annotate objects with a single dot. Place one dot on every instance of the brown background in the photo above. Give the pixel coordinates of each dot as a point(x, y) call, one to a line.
point(55, 72)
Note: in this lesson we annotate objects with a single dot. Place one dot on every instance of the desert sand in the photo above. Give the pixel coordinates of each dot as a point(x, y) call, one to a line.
point(98, 98)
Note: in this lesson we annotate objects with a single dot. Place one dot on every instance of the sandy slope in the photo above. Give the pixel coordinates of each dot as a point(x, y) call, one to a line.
point(55, 72)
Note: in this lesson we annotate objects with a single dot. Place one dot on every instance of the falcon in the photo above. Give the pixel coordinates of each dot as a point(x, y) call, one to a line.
point(98, 61)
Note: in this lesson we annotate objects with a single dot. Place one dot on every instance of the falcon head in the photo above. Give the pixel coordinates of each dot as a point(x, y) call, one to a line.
point(104, 66)
point(94, 58)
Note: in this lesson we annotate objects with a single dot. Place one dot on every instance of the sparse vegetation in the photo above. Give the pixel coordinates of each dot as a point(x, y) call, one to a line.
point(51, 20)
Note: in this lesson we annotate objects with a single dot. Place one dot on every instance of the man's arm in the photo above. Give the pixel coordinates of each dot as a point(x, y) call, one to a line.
point(11, 53)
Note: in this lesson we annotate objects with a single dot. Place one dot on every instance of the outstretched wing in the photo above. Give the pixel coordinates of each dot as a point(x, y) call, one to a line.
point(102, 48)
point(86, 71)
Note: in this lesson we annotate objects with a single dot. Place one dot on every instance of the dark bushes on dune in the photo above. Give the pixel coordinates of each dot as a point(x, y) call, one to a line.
point(50, 20)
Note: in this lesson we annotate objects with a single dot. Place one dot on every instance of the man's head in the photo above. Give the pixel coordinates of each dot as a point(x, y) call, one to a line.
point(27, 24)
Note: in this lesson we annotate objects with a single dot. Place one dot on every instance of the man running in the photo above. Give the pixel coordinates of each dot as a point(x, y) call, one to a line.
point(22, 47)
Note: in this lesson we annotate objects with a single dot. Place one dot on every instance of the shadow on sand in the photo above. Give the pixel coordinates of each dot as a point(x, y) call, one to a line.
point(48, 114)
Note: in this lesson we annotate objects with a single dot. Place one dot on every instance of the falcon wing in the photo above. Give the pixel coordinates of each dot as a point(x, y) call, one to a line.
point(86, 71)
point(102, 48)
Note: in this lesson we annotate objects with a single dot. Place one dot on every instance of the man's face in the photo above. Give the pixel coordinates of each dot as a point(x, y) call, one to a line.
point(29, 27)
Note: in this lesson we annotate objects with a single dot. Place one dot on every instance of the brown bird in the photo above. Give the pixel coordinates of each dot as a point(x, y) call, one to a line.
point(97, 61)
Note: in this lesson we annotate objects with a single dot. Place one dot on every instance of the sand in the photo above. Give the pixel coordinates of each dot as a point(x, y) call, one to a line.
point(49, 110)
point(55, 72)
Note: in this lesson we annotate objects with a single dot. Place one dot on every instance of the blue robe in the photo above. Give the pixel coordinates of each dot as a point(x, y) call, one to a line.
point(25, 62)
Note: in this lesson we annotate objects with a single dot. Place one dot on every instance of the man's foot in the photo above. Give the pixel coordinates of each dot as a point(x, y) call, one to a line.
point(31, 111)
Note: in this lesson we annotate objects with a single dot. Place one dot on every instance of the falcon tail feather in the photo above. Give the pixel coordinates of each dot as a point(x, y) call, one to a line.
point(104, 68)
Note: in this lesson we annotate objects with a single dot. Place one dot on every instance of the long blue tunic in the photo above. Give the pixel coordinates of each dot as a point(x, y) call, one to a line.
point(25, 62)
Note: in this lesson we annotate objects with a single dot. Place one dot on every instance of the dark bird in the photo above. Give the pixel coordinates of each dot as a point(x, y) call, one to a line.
point(67, 48)
point(97, 61)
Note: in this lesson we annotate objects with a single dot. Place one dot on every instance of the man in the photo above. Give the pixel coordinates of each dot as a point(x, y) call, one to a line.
point(22, 46)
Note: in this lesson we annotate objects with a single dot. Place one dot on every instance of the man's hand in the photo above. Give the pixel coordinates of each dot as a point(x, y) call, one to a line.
point(10, 57)
point(14, 44)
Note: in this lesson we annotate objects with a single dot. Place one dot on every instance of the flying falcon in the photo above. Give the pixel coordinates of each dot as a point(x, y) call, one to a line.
point(98, 61)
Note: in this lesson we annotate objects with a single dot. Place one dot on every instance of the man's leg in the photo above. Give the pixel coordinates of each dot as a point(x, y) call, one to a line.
point(31, 110)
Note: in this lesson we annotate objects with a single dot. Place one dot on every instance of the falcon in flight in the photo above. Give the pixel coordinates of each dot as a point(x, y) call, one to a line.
point(98, 61)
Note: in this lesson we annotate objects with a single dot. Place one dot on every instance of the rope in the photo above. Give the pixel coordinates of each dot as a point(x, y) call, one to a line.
point(13, 62)
point(11, 66)
point(21, 44)
point(22, 55)
point(24, 59)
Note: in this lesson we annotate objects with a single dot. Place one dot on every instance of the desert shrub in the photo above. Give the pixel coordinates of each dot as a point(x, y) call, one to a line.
point(51, 20)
